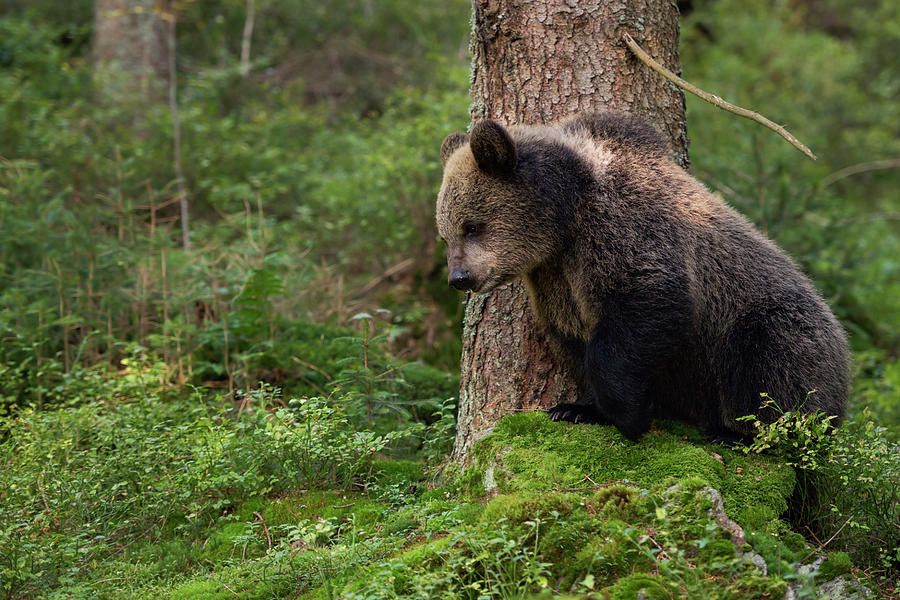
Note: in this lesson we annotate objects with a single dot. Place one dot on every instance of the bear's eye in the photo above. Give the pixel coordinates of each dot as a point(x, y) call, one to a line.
point(471, 230)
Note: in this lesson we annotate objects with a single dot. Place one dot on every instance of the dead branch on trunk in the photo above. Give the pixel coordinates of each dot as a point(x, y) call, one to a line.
point(712, 99)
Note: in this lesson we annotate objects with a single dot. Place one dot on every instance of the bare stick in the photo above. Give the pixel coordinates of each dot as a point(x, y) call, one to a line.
point(598, 486)
point(662, 552)
point(822, 547)
point(400, 267)
point(41, 490)
point(890, 163)
point(311, 366)
point(266, 529)
point(742, 112)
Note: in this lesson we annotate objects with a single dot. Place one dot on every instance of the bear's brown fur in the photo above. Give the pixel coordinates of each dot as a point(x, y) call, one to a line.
point(665, 301)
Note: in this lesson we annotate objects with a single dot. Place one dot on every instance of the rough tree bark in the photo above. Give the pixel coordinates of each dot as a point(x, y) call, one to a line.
point(130, 48)
point(536, 62)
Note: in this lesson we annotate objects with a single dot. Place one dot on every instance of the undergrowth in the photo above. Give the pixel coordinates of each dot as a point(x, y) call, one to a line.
point(148, 490)
point(848, 493)
point(81, 486)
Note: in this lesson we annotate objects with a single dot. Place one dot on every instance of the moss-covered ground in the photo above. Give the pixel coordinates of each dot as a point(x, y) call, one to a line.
point(546, 510)
point(581, 510)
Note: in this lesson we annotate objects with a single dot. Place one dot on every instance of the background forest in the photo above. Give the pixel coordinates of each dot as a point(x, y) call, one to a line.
point(256, 416)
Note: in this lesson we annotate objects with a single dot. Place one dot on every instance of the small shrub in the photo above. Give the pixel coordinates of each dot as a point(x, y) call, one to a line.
point(315, 438)
point(439, 435)
point(849, 482)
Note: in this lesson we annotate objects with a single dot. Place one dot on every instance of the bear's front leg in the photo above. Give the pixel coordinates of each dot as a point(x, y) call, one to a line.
point(639, 332)
point(584, 410)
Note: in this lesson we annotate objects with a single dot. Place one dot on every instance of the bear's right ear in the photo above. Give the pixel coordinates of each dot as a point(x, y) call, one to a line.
point(451, 143)
point(493, 149)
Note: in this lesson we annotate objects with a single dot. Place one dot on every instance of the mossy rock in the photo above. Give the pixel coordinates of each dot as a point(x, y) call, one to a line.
point(640, 584)
point(837, 564)
point(521, 507)
point(529, 452)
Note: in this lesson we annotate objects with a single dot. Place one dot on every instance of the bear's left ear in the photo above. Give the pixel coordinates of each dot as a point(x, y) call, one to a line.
point(451, 143)
point(493, 149)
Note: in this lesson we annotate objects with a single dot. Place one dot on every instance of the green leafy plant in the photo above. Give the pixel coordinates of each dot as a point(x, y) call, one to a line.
point(848, 482)
point(318, 440)
point(803, 437)
point(81, 484)
point(439, 435)
point(371, 383)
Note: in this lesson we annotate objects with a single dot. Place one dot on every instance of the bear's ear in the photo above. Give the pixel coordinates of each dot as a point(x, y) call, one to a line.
point(493, 149)
point(451, 143)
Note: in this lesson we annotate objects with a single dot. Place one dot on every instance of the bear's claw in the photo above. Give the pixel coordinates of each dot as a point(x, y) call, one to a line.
point(576, 413)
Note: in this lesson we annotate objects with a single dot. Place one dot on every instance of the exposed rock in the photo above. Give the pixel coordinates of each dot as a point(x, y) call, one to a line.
point(717, 513)
point(839, 588)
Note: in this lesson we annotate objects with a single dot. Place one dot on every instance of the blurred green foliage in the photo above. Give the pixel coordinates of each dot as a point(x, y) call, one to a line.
point(848, 488)
point(820, 67)
point(296, 206)
point(326, 190)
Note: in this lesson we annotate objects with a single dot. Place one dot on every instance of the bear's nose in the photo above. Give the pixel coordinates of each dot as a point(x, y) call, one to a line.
point(462, 280)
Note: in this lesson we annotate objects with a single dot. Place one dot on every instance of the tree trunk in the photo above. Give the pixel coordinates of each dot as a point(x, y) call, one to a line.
point(131, 49)
point(536, 62)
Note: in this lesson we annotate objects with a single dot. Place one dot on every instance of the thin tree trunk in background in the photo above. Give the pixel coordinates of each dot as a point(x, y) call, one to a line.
point(176, 136)
point(130, 50)
point(536, 62)
point(248, 37)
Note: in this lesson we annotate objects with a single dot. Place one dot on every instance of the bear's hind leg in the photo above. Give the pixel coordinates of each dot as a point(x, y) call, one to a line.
point(773, 352)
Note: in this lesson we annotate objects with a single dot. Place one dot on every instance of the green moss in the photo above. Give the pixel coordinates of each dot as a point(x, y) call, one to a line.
point(837, 564)
point(542, 455)
point(317, 504)
point(395, 574)
point(635, 586)
point(221, 542)
point(530, 456)
point(533, 453)
point(775, 552)
point(398, 471)
point(201, 590)
point(246, 509)
point(246, 580)
point(615, 501)
point(570, 502)
point(518, 508)
point(441, 516)
point(755, 489)
point(400, 525)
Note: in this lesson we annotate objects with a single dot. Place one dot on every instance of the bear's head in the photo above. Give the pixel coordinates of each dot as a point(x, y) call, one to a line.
point(488, 213)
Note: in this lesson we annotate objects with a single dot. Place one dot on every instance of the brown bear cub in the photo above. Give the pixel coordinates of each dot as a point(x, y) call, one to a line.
point(664, 300)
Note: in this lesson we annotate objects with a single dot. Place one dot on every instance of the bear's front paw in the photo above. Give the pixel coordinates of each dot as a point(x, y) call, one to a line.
point(576, 413)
